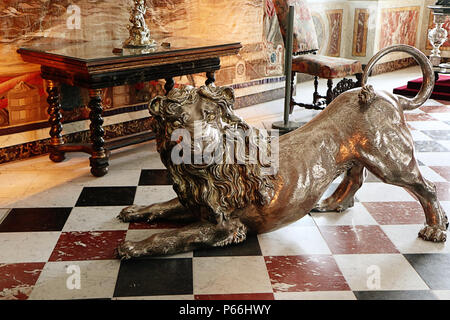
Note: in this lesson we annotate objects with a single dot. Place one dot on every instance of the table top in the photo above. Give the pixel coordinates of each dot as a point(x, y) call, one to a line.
point(70, 54)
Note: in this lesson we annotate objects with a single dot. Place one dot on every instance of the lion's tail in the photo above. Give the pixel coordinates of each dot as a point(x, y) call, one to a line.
point(427, 72)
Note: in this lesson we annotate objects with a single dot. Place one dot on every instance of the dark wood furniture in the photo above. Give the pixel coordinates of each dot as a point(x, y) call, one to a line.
point(94, 66)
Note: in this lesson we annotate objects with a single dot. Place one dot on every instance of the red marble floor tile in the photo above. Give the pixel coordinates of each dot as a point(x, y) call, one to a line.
point(305, 273)
point(443, 190)
point(433, 109)
point(444, 172)
point(17, 279)
point(357, 239)
point(444, 102)
point(419, 117)
point(396, 212)
point(155, 225)
point(93, 245)
point(238, 296)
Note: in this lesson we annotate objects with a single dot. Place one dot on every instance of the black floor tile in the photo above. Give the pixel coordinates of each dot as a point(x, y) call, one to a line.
point(395, 295)
point(106, 196)
point(154, 178)
point(250, 247)
point(433, 268)
point(35, 219)
point(151, 277)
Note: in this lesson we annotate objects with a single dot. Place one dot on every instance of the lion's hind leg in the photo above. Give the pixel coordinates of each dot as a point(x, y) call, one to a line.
point(401, 169)
point(198, 235)
point(343, 196)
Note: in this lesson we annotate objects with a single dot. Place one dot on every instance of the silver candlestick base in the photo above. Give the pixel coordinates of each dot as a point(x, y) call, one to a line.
point(139, 32)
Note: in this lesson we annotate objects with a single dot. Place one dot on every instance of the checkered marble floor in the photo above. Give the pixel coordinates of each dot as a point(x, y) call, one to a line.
point(58, 221)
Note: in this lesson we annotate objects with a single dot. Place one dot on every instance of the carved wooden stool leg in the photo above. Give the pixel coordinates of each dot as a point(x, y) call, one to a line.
point(54, 112)
point(211, 78)
point(329, 91)
point(316, 95)
point(169, 85)
point(359, 78)
point(99, 157)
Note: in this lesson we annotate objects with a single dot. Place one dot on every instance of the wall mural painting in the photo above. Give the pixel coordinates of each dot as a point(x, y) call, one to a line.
point(360, 32)
point(399, 26)
point(446, 26)
point(335, 30)
point(24, 22)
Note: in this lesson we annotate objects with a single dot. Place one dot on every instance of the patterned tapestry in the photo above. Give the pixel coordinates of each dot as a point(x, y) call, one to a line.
point(251, 22)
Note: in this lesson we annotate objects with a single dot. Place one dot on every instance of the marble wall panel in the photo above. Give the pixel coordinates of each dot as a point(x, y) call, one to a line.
point(399, 26)
point(360, 30)
point(335, 28)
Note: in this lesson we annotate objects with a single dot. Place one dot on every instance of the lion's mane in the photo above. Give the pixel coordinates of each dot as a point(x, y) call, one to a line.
point(224, 187)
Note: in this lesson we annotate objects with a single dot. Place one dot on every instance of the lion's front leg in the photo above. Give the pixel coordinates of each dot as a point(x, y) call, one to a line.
point(195, 236)
point(172, 210)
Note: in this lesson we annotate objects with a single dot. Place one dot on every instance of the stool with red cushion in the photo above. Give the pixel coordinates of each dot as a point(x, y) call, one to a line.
point(305, 60)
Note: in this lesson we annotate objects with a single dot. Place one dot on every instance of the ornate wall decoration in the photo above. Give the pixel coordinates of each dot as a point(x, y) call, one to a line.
point(446, 25)
point(360, 32)
point(399, 26)
point(321, 30)
point(335, 30)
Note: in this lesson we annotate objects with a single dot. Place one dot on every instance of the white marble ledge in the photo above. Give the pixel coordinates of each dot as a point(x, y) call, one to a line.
point(40, 134)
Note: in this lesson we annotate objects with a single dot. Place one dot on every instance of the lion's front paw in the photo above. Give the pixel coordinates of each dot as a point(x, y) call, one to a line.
point(130, 249)
point(133, 213)
point(433, 233)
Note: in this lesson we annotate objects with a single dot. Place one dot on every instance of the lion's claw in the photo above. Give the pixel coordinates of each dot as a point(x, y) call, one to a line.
point(433, 233)
point(132, 213)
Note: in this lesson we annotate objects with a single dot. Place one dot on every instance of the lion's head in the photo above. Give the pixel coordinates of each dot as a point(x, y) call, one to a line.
point(220, 185)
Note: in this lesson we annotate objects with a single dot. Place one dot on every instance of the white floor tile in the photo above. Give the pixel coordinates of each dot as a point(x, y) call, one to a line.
point(293, 241)
point(431, 175)
point(446, 206)
point(97, 280)
point(112, 179)
point(434, 158)
point(378, 191)
point(315, 295)
point(146, 195)
point(445, 143)
point(442, 294)
point(405, 238)
point(226, 275)
point(419, 136)
point(379, 272)
point(357, 215)
point(429, 125)
point(19, 247)
point(65, 195)
point(95, 219)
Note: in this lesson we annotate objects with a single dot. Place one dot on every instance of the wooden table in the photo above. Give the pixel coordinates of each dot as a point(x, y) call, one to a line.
point(94, 66)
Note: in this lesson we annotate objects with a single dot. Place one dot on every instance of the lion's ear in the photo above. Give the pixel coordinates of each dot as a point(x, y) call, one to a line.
point(154, 106)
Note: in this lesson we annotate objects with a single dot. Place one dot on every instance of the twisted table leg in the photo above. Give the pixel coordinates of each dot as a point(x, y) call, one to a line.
point(55, 117)
point(99, 157)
